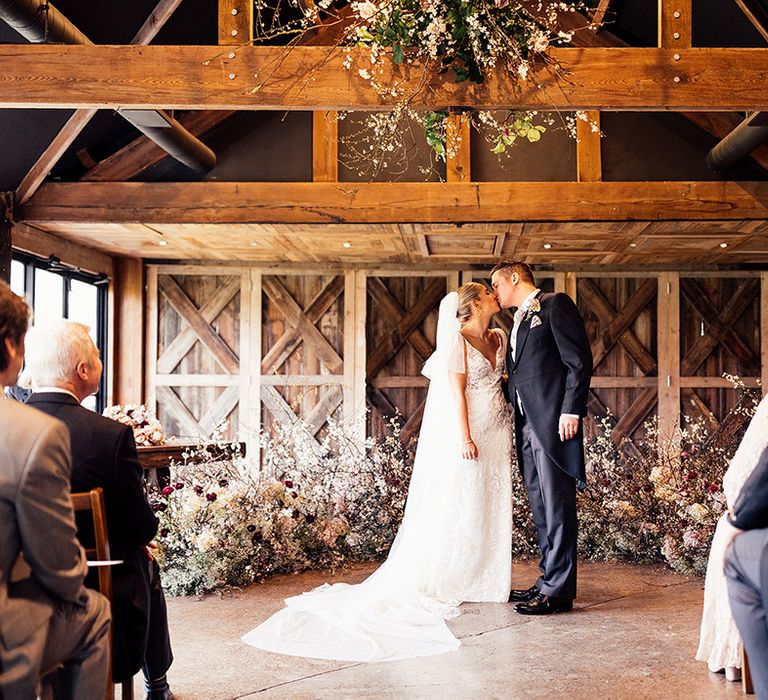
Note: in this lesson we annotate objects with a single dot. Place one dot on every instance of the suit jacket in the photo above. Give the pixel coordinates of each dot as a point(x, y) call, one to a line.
point(750, 511)
point(104, 454)
point(41, 562)
point(551, 373)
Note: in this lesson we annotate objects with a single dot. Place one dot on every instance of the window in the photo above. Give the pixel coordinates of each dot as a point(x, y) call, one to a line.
point(55, 290)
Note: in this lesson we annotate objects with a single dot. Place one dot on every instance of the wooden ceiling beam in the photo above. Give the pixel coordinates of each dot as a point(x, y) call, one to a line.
point(756, 14)
point(204, 77)
point(324, 202)
point(79, 120)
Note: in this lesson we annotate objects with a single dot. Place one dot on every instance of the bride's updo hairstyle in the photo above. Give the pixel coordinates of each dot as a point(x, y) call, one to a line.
point(467, 294)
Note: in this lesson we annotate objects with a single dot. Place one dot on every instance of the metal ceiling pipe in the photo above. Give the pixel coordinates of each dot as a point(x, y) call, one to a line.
point(744, 139)
point(39, 22)
point(172, 137)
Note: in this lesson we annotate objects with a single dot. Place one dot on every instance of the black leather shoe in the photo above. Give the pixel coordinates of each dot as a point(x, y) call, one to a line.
point(518, 595)
point(544, 605)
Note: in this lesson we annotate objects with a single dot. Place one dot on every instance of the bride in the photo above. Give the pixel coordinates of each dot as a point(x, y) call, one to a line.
point(454, 544)
point(719, 640)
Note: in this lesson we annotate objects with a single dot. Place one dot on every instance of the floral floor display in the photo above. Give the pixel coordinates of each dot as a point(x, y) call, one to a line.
point(303, 504)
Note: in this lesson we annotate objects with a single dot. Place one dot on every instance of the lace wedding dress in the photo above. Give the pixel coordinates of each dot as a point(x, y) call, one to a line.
point(719, 640)
point(454, 544)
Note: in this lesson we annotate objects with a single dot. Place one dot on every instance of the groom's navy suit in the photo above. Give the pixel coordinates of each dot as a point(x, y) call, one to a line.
point(550, 376)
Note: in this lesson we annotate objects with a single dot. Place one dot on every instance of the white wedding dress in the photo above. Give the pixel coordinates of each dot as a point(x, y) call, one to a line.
point(454, 544)
point(719, 640)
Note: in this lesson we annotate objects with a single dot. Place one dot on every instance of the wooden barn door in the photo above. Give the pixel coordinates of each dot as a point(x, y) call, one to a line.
point(620, 315)
point(719, 334)
point(401, 323)
point(198, 333)
point(308, 349)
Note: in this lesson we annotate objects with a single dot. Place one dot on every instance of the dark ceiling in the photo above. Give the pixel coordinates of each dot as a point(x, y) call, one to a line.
point(24, 134)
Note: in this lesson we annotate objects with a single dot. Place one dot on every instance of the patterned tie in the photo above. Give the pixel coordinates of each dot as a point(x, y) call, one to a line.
point(518, 319)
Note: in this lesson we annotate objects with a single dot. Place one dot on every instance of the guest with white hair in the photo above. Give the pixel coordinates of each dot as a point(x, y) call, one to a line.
point(64, 366)
point(48, 619)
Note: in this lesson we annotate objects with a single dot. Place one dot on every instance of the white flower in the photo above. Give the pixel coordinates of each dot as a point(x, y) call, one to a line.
point(363, 73)
point(522, 70)
point(538, 43)
point(365, 10)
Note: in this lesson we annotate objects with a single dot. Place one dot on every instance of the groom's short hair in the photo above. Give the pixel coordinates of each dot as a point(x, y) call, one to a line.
point(507, 267)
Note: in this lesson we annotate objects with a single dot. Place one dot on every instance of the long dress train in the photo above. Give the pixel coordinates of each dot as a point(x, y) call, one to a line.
point(454, 544)
point(719, 640)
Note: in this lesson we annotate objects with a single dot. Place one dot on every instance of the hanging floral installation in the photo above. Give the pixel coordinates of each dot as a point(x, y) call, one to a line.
point(462, 40)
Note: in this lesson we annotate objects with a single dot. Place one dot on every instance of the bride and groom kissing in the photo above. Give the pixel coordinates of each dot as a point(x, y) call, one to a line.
point(454, 544)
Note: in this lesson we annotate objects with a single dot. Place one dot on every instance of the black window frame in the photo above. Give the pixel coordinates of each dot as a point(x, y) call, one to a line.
point(32, 263)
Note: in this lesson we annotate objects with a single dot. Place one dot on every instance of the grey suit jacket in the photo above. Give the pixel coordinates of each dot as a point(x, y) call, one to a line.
point(42, 564)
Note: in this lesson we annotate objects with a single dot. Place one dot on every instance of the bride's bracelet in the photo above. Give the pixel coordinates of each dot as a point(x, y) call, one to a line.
point(468, 442)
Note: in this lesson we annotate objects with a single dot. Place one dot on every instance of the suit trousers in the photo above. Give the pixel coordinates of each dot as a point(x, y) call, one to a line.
point(76, 637)
point(552, 497)
point(746, 570)
point(158, 656)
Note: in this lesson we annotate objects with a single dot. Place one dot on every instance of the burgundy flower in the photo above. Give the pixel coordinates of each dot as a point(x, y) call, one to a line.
point(288, 484)
point(684, 454)
point(251, 528)
point(210, 497)
point(179, 485)
point(159, 507)
point(164, 532)
point(168, 490)
point(310, 518)
point(294, 494)
point(256, 538)
point(690, 476)
point(223, 483)
point(713, 488)
point(198, 489)
point(295, 514)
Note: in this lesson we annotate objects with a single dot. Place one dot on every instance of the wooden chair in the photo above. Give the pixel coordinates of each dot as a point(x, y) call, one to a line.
point(746, 676)
point(93, 501)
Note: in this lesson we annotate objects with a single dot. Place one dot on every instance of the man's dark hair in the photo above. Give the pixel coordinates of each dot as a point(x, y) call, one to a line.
point(507, 267)
point(14, 319)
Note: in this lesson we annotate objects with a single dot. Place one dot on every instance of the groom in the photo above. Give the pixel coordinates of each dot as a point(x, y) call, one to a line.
point(550, 365)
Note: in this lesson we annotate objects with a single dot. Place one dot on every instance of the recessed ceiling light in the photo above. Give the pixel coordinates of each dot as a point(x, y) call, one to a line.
point(163, 243)
point(253, 244)
point(723, 245)
point(633, 245)
point(547, 246)
point(346, 244)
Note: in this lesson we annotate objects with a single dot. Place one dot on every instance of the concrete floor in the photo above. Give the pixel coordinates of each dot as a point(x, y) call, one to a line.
point(633, 634)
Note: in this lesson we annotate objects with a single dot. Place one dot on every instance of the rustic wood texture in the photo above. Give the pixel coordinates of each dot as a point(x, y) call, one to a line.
point(401, 322)
point(720, 321)
point(457, 143)
point(302, 336)
point(325, 147)
point(620, 318)
point(393, 202)
point(79, 120)
point(129, 324)
point(674, 26)
point(589, 165)
point(197, 77)
point(235, 22)
point(683, 244)
point(185, 307)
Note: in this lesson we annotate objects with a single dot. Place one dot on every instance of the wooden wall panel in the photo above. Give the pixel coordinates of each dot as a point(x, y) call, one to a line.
point(310, 344)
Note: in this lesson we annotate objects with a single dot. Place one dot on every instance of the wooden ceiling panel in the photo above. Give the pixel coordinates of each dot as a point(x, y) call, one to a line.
point(585, 243)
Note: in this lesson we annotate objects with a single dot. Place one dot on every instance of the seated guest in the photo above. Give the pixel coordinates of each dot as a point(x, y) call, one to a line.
point(719, 641)
point(47, 616)
point(746, 568)
point(65, 368)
